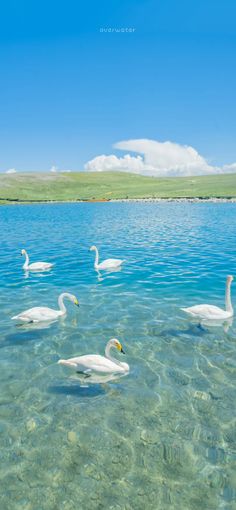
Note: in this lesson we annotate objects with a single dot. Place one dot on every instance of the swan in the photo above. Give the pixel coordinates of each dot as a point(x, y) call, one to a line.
point(42, 313)
point(96, 363)
point(36, 266)
point(106, 264)
point(211, 312)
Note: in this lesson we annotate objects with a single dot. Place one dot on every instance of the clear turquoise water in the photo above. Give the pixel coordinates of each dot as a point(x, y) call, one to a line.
point(165, 435)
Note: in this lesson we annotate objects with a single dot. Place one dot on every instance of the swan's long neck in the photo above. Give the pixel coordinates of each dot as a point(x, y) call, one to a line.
point(61, 303)
point(26, 264)
point(109, 356)
point(228, 304)
point(96, 257)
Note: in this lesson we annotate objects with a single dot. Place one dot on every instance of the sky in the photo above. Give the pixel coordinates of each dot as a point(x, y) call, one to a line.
point(158, 99)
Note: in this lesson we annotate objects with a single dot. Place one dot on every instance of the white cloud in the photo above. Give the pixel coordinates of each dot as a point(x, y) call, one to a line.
point(229, 169)
point(163, 159)
point(54, 169)
point(11, 171)
point(127, 163)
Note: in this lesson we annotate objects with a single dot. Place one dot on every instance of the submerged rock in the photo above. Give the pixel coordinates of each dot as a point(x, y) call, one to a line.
point(72, 437)
point(30, 425)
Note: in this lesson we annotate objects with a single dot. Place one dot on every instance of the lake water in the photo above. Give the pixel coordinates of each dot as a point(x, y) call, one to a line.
point(164, 436)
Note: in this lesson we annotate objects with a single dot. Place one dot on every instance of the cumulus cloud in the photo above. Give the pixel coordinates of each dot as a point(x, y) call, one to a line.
point(11, 171)
point(164, 159)
point(127, 163)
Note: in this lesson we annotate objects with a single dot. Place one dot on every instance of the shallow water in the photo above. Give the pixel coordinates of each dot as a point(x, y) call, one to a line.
point(162, 437)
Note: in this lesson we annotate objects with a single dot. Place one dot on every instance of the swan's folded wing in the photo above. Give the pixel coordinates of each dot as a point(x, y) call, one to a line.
point(114, 261)
point(44, 313)
point(37, 314)
point(21, 317)
point(110, 263)
point(207, 311)
point(94, 363)
point(36, 266)
point(25, 316)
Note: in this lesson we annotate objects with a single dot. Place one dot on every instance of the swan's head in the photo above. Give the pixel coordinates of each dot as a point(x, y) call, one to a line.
point(230, 278)
point(23, 252)
point(115, 343)
point(73, 299)
point(93, 248)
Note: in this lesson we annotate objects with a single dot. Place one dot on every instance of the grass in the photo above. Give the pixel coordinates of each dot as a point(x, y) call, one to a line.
point(36, 187)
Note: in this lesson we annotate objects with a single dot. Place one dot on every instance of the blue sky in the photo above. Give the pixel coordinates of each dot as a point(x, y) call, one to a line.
point(68, 92)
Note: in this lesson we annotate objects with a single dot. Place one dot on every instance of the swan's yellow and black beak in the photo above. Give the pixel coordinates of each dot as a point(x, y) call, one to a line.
point(119, 346)
point(76, 302)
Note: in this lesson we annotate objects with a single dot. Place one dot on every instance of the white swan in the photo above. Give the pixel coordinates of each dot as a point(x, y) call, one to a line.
point(42, 313)
point(211, 312)
point(36, 266)
point(96, 363)
point(106, 264)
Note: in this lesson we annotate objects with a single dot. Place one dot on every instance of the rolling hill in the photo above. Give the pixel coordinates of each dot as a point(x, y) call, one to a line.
point(43, 187)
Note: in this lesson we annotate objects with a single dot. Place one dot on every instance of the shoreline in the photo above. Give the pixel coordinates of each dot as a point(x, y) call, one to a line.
point(122, 200)
point(179, 199)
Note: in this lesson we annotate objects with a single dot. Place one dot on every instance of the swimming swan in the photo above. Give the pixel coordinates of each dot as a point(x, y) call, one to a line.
point(36, 266)
point(42, 313)
point(96, 363)
point(211, 312)
point(106, 264)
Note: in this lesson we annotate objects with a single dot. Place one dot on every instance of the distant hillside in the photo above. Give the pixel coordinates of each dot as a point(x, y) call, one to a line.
point(30, 187)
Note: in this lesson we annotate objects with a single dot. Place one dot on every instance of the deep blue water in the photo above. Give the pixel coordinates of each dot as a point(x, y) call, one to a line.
point(162, 437)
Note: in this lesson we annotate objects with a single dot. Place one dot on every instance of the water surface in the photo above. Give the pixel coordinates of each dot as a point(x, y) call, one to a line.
point(165, 435)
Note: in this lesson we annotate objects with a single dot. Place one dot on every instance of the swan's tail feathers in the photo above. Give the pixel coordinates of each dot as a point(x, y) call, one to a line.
point(66, 363)
point(184, 310)
point(19, 318)
point(22, 319)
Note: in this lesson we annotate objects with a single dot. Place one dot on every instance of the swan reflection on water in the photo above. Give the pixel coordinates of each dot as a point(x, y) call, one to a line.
point(38, 274)
point(86, 379)
point(219, 323)
point(32, 326)
point(103, 276)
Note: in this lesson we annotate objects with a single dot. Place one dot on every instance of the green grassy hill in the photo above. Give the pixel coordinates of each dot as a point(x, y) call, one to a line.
point(110, 185)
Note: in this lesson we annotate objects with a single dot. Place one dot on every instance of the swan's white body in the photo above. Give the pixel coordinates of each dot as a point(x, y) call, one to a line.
point(42, 313)
point(106, 264)
point(35, 266)
point(211, 312)
point(96, 363)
